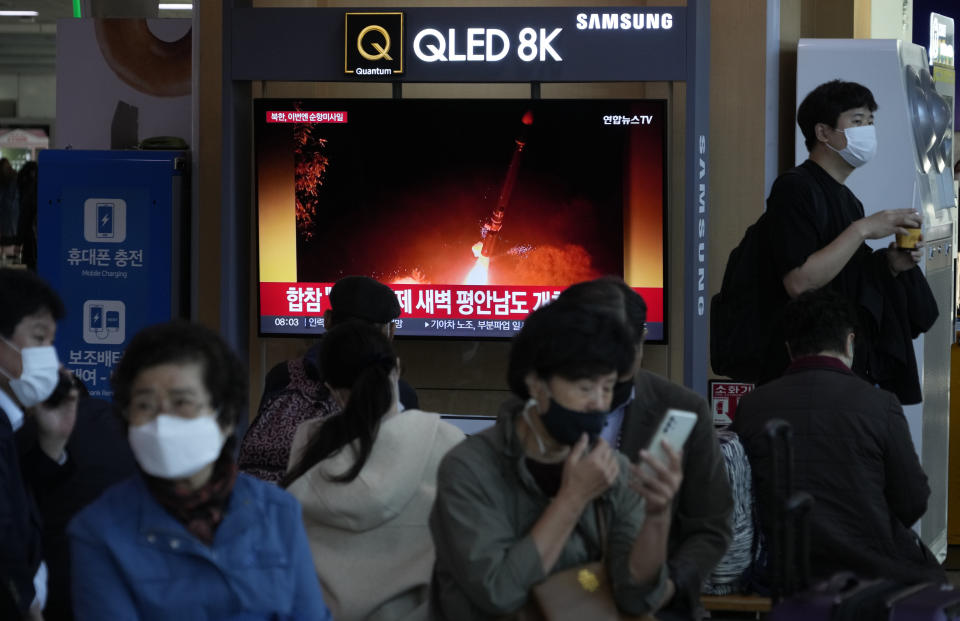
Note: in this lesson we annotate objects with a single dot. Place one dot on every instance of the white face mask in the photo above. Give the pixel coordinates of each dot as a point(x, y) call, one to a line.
point(861, 145)
point(39, 375)
point(173, 447)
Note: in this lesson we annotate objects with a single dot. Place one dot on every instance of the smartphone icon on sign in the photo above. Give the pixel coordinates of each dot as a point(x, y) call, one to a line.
point(105, 220)
point(96, 317)
point(104, 322)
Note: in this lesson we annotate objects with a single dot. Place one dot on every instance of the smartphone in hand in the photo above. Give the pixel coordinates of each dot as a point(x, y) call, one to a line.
point(675, 428)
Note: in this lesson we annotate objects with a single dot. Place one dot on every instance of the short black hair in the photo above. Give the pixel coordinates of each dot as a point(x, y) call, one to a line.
point(816, 321)
point(361, 297)
point(613, 295)
point(827, 102)
point(24, 294)
point(569, 340)
point(180, 341)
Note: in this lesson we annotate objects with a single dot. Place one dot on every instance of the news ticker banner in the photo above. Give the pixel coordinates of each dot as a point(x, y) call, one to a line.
point(461, 44)
point(430, 310)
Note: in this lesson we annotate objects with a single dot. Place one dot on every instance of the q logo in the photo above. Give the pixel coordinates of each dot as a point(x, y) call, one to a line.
point(373, 44)
point(383, 50)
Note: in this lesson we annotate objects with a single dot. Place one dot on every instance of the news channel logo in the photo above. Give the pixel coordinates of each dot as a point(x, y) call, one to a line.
point(373, 43)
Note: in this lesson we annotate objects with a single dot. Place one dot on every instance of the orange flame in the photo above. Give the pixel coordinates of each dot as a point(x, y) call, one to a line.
point(416, 277)
point(478, 275)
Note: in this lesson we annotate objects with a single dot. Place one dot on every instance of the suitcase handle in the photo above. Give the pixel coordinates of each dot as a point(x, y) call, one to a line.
point(780, 436)
point(789, 543)
point(796, 543)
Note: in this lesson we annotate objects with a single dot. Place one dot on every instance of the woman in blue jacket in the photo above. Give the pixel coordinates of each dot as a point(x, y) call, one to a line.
point(188, 538)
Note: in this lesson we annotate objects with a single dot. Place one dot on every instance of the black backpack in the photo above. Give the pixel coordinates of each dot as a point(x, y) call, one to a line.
point(740, 322)
point(739, 331)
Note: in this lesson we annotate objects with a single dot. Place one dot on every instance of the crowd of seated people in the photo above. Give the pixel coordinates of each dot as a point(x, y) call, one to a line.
point(381, 511)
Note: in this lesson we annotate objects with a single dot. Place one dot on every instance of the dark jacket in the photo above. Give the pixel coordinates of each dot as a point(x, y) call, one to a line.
point(806, 210)
point(98, 456)
point(20, 548)
point(700, 532)
point(853, 454)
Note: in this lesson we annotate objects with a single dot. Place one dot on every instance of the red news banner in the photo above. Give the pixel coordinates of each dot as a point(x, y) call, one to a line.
point(285, 299)
point(302, 116)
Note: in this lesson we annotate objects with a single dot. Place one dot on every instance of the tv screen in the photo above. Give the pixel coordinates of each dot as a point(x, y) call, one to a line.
point(476, 212)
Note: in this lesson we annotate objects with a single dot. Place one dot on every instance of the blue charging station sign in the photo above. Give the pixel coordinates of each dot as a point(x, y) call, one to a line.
point(108, 226)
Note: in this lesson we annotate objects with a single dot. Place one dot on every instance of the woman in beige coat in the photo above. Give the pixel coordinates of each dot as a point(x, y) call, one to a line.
point(366, 480)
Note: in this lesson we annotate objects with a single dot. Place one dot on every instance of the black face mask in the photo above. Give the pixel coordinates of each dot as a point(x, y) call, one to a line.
point(566, 425)
point(621, 392)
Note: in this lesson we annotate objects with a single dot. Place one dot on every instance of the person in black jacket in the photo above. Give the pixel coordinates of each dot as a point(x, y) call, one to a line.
point(852, 450)
point(814, 234)
point(98, 456)
point(29, 374)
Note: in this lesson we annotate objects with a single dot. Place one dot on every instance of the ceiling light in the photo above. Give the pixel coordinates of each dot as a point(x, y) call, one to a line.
point(175, 6)
point(18, 13)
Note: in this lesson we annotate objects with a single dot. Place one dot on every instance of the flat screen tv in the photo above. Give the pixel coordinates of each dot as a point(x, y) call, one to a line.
point(475, 212)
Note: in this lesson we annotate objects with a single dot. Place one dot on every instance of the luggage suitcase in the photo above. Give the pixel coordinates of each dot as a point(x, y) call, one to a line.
point(845, 596)
point(924, 602)
point(788, 545)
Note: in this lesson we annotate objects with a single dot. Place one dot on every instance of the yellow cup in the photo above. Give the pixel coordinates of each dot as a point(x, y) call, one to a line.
point(908, 240)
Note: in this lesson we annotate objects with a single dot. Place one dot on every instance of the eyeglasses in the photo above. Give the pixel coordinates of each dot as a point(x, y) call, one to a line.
point(146, 407)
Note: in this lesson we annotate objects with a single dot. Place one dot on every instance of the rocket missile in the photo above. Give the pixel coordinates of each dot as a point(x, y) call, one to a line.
point(491, 229)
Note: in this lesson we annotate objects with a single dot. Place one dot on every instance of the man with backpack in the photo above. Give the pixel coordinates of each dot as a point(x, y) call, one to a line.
point(813, 235)
point(294, 390)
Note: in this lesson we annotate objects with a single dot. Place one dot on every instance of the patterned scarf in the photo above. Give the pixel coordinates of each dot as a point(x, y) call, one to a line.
point(200, 510)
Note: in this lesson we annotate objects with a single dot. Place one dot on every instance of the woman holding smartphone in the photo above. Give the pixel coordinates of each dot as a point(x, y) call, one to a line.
point(518, 502)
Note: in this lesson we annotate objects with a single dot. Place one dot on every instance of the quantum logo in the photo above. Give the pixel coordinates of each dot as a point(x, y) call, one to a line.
point(383, 51)
point(373, 43)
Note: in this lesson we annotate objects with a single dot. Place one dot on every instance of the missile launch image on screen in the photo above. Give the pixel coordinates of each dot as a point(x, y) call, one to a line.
point(475, 192)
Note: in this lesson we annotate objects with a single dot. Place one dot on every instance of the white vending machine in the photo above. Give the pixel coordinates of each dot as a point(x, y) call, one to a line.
point(913, 167)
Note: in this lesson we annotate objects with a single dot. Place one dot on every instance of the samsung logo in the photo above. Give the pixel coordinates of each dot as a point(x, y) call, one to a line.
point(624, 21)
